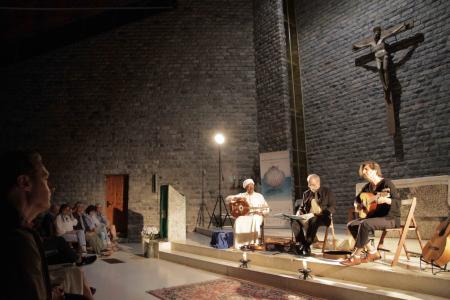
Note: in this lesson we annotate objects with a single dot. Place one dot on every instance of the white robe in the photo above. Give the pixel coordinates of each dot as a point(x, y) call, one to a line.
point(247, 228)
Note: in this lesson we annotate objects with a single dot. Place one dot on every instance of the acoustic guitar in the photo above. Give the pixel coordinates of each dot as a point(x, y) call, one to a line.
point(369, 202)
point(437, 250)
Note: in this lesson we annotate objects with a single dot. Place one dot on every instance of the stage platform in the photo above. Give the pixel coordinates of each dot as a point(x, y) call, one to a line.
point(330, 280)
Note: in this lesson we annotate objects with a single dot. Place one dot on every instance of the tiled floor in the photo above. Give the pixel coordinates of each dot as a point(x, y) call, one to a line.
point(131, 279)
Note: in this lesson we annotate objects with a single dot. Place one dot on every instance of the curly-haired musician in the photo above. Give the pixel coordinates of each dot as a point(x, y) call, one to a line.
point(378, 205)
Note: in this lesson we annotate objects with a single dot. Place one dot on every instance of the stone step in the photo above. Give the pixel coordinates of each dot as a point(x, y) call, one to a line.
point(330, 278)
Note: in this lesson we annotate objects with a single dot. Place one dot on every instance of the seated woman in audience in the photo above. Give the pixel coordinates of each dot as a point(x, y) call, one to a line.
point(100, 228)
point(92, 237)
point(65, 223)
point(103, 219)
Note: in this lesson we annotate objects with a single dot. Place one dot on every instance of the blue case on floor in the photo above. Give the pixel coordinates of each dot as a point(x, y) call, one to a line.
point(222, 239)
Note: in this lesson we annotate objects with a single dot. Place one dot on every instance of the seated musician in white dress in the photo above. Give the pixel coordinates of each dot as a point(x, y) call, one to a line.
point(247, 228)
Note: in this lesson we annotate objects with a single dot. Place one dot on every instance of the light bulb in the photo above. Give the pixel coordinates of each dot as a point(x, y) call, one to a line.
point(219, 138)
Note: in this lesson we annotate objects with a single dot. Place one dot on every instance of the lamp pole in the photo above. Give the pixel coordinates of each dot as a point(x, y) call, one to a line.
point(220, 139)
point(220, 189)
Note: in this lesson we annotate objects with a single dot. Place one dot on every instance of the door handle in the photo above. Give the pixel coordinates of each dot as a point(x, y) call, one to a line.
point(108, 204)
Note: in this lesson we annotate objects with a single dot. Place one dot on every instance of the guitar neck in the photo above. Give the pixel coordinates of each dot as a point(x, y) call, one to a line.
point(257, 208)
point(444, 228)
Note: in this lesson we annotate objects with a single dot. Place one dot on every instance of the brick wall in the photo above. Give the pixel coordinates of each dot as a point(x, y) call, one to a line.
point(271, 77)
point(144, 98)
point(344, 107)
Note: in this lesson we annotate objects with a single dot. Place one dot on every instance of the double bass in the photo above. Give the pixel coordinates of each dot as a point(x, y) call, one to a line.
point(437, 250)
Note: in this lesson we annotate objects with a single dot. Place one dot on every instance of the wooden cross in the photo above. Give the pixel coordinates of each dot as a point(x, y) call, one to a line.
point(381, 53)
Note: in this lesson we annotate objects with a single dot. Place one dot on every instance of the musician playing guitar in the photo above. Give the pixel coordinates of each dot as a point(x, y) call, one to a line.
point(317, 205)
point(383, 212)
point(247, 228)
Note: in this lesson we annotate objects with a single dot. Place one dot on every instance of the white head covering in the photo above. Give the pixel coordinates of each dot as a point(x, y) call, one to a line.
point(247, 182)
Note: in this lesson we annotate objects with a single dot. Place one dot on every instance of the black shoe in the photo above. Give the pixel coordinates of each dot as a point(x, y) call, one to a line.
point(86, 260)
point(306, 250)
point(297, 250)
point(93, 290)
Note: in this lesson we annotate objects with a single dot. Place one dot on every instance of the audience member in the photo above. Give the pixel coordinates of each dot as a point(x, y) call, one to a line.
point(100, 228)
point(92, 237)
point(103, 219)
point(65, 223)
point(25, 193)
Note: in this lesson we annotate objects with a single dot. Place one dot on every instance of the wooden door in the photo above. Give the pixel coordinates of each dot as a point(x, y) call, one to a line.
point(117, 202)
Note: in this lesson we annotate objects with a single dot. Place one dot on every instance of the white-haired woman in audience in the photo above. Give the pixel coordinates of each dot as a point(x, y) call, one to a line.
point(104, 220)
point(100, 228)
point(97, 232)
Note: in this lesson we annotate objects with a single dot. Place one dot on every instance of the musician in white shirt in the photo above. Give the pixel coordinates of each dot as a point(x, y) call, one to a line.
point(247, 229)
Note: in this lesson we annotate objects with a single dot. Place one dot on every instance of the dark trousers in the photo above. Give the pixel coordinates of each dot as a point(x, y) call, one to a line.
point(313, 225)
point(361, 229)
point(58, 251)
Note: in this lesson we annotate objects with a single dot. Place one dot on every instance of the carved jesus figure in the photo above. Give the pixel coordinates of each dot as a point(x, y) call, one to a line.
point(382, 55)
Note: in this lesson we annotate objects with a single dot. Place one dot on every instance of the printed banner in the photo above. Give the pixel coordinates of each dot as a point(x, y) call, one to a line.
point(276, 186)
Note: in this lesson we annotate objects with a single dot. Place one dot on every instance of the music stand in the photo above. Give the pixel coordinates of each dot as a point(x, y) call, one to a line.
point(219, 221)
point(290, 218)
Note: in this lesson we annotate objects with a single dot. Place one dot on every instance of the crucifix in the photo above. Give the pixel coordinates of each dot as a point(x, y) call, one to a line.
point(381, 52)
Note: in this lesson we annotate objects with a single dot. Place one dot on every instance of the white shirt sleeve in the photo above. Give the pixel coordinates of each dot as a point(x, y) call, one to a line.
point(257, 200)
point(59, 225)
